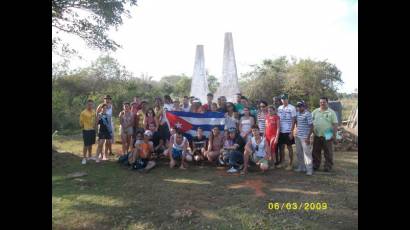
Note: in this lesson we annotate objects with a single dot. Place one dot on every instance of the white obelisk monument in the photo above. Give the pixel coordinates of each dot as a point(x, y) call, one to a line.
point(199, 85)
point(229, 85)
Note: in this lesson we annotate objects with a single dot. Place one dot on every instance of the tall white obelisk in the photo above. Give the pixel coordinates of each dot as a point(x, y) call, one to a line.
point(229, 85)
point(199, 85)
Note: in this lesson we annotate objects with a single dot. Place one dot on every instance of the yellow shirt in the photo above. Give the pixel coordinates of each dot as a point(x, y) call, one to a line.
point(87, 120)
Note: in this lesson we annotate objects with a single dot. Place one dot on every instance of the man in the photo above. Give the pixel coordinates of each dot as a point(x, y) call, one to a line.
point(178, 150)
point(159, 143)
point(199, 145)
point(238, 105)
point(126, 127)
point(222, 105)
point(287, 115)
point(276, 102)
point(88, 125)
point(185, 104)
point(233, 154)
point(257, 150)
point(324, 129)
point(135, 105)
point(304, 125)
point(207, 107)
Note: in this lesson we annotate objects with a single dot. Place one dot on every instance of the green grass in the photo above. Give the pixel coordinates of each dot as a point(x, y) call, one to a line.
point(113, 197)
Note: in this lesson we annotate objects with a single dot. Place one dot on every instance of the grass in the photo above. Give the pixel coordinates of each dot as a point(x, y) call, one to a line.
point(113, 197)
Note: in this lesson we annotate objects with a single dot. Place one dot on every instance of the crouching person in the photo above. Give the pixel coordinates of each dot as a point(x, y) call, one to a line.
point(257, 150)
point(199, 145)
point(141, 158)
point(233, 151)
point(178, 150)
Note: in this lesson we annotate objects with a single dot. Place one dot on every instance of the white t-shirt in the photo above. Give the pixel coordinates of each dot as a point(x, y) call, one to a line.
point(168, 107)
point(286, 115)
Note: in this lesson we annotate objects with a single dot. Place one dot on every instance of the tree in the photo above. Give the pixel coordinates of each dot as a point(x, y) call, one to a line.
point(89, 20)
point(213, 83)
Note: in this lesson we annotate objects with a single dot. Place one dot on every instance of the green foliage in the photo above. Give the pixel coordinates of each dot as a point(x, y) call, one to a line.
point(89, 20)
point(212, 83)
point(305, 79)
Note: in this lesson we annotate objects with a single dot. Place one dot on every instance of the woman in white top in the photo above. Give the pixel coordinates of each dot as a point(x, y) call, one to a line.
point(258, 150)
point(168, 104)
point(245, 124)
point(231, 117)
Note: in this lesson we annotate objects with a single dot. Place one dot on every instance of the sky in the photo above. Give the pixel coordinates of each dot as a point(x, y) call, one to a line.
point(161, 36)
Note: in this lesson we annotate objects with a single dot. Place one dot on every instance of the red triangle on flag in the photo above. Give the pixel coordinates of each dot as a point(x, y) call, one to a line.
point(178, 122)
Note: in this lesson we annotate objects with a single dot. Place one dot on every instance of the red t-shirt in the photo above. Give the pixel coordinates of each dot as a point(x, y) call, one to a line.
point(272, 123)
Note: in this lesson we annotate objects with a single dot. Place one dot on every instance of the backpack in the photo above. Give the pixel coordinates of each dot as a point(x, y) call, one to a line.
point(123, 159)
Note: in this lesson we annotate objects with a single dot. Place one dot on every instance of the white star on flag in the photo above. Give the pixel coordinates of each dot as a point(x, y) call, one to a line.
point(178, 125)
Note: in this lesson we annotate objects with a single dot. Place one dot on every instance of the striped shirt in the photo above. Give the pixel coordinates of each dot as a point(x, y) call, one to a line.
point(304, 121)
point(261, 121)
point(286, 115)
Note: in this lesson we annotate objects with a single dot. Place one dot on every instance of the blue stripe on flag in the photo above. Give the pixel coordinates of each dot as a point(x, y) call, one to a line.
point(199, 115)
point(207, 127)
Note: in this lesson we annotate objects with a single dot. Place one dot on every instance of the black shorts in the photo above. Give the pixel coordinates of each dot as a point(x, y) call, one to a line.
point(104, 135)
point(88, 137)
point(284, 139)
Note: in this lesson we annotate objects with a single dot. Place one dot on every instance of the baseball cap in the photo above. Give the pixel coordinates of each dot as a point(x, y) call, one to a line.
point(284, 96)
point(300, 104)
point(148, 133)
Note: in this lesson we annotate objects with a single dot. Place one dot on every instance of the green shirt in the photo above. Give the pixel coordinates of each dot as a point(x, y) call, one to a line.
point(323, 121)
point(239, 108)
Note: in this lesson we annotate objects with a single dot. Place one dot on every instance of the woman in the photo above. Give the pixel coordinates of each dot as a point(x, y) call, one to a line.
point(104, 131)
point(257, 149)
point(168, 104)
point(109, 111)
point(214, 107)
point(216, 142)
point(262, 115)
point(245, 124)
point(126, 127)
point(162, 122)
point(272, 129)
point(231, 117)
point(150, 118)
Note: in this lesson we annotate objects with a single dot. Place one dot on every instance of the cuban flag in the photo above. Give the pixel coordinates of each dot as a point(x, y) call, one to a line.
point(188, 122)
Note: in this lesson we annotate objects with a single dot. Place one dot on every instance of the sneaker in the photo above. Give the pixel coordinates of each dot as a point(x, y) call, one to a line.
point(232, 170)
point(92, 158)
point(221, 162)
point(289, 167)
point(309, 173)
point(84, 161)
point(240, 167)
point(280, 165)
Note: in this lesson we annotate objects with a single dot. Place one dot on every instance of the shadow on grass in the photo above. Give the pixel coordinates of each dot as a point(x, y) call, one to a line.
point(113, 197)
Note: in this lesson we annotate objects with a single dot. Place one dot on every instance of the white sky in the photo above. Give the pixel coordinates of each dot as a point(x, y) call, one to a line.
point(161, 36)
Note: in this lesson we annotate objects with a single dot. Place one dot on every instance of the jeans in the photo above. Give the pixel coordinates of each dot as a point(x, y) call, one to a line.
point(235, 159)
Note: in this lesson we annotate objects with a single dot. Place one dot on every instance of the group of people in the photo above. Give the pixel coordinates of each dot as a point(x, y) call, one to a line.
point(251, 136)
